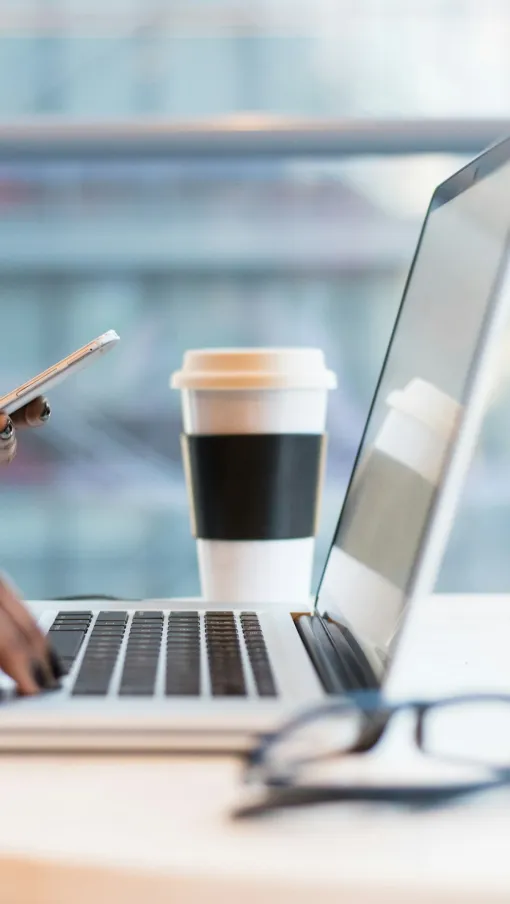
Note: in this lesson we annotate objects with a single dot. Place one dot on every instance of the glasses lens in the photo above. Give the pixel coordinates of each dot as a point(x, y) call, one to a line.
point(469, 731)
point(322, 737)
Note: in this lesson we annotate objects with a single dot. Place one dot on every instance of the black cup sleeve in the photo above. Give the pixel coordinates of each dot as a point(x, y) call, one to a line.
point(254, 486)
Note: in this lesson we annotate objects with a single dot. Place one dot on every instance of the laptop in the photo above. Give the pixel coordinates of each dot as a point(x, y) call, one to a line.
point(171, 674)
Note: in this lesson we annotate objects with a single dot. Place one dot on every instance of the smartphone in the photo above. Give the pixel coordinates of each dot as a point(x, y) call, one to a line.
point(44, 382)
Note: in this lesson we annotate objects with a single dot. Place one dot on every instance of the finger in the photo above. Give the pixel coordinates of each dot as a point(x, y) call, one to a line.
point(15, 660)
point(34, 414)
point(7, 439)
point(38, 647)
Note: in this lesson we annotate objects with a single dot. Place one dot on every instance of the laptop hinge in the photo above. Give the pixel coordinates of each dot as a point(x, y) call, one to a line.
point(340, 664)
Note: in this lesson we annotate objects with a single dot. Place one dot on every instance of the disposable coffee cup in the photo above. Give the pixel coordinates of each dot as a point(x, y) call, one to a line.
point(254, 447)
point(384, 516)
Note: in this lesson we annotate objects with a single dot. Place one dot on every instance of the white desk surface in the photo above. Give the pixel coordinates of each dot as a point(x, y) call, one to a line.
point(157, 829)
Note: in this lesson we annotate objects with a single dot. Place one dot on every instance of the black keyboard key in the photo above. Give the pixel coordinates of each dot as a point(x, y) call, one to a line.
point(179, 630)
point(69, 628)
point(140, 635)
point(93, 688)
point(92, 684)
point(66, 643)
point(146, 624)
point(258, 656)
point(137, 690)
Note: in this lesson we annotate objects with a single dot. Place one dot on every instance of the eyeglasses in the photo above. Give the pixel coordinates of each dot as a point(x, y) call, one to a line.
point(471, 730)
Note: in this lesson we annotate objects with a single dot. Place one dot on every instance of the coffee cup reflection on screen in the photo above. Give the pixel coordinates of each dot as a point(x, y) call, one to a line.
point(393, 490)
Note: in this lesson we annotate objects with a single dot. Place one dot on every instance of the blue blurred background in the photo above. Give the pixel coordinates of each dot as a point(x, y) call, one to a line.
point(112, 217)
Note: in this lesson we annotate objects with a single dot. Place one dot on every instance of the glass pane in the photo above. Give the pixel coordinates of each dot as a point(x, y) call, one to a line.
point(477, 732)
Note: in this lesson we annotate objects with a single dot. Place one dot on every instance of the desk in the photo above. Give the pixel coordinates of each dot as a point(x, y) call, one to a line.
point(156, 829)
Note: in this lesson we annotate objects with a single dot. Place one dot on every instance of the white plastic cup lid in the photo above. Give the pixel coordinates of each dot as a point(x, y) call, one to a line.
point(254, 368)
point(426, 403)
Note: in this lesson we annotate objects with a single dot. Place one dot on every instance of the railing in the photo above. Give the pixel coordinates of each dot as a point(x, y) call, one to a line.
point(209, 241)
point(247, 135)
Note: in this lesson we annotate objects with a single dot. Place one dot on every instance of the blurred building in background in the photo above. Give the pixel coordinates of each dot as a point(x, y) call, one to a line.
point(176, 253)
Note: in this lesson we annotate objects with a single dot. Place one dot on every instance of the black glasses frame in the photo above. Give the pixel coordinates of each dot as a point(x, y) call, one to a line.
point(283, 791)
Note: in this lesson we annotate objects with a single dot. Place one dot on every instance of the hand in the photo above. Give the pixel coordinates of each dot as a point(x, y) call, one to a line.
point(24, 651)
point(25, 654)
point(34, 414)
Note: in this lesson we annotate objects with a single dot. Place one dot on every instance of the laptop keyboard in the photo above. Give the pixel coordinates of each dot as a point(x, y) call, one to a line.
point(193, 654)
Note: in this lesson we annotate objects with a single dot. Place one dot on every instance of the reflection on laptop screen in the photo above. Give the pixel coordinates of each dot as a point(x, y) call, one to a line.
point(415, 413)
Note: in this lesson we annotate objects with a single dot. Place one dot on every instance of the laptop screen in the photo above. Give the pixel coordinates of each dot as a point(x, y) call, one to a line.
point(415, 413)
